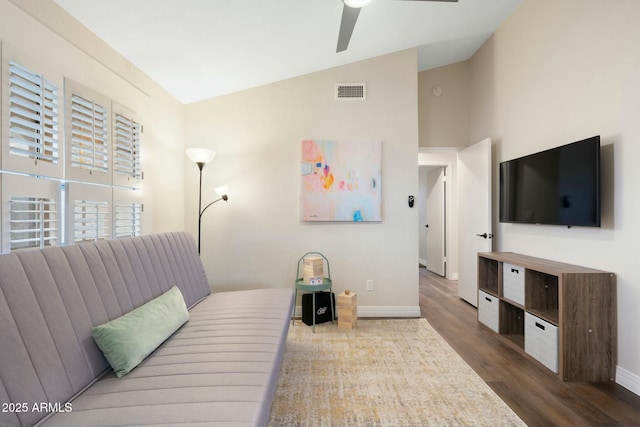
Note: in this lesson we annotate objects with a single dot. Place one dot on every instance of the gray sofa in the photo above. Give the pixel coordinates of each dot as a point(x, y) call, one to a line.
point(220, 368)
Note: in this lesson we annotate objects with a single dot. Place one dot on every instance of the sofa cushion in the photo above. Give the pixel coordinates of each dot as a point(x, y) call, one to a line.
point(129, 339)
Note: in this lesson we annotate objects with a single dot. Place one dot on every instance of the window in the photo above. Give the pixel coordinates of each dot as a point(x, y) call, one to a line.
point(70, 160)
point(32, 222)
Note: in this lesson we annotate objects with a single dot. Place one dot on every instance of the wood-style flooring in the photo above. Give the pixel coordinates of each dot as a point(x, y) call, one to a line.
point(532, 392)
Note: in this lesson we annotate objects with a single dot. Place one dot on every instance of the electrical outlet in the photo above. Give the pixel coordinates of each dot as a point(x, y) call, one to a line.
point(369, 285)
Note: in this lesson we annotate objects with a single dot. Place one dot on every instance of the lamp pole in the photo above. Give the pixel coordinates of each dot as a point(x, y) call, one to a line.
point(225, 198)
point(202, 156)
point(200, 166)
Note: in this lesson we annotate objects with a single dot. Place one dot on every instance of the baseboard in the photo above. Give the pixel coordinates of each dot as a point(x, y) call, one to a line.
point(628, 380)
point(379, 311)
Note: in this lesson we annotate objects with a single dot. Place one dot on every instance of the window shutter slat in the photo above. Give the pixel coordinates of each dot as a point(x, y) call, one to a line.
point(19, 150)
point(26, 100)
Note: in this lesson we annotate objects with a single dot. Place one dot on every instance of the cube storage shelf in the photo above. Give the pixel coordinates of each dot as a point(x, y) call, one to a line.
point(562, 315)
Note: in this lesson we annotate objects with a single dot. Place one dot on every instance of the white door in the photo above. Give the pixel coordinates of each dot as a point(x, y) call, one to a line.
point(435, 221)
point(474, 193)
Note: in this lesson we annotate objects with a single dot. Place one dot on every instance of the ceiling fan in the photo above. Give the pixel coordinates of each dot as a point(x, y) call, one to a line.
point(350, 14)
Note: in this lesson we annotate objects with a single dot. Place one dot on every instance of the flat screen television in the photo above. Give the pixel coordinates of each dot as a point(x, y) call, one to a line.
point(559, 186)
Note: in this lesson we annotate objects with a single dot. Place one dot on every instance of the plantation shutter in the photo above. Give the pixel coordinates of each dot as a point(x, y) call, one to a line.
point(91, 221)
point(33, 122)
point(32, 118)
point(87, 134)
point(89, 215)
point(127, 212)
point(32, 222)
point(127, 143)
point(31, 212)
point(128, 220)
point(89, 144)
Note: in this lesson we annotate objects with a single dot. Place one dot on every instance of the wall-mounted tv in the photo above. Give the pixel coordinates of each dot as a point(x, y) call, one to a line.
point(558, 186)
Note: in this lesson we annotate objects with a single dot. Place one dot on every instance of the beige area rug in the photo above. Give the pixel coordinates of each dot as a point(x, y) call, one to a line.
point(383, 373)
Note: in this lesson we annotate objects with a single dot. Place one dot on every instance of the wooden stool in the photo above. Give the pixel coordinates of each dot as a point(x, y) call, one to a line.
point(347, 310)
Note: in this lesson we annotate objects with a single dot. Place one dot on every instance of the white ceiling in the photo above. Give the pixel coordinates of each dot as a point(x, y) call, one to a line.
point(198, 49)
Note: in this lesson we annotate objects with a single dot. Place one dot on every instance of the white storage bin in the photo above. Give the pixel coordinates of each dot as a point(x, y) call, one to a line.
point(513, 283)
point(488, 309)
point(541, 341)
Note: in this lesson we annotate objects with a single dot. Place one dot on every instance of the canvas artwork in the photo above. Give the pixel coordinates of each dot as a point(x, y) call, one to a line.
point(341, 181)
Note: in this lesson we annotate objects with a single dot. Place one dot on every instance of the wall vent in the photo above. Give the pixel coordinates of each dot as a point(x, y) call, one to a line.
point(351, 91)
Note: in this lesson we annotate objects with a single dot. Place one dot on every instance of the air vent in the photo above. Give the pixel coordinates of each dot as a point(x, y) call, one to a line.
point(351, 91)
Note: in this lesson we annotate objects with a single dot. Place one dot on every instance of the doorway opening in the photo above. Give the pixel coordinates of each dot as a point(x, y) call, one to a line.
point(468, 212)
point(436, 225)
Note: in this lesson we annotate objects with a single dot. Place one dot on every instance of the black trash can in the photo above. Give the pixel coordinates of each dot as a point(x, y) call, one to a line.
point(325, 307)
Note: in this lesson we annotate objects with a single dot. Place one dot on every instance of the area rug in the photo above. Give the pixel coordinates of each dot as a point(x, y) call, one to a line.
point(396, 372)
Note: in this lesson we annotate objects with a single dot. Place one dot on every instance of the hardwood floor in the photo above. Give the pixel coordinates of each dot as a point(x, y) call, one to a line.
point(533, 392)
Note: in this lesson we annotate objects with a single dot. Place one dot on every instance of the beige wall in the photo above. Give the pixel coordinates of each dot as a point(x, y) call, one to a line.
point(556, 72)
point(444, 119)
point(257, 238)
point(58, 41)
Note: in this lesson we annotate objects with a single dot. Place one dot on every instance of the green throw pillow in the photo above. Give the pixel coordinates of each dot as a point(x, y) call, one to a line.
point(127, 340)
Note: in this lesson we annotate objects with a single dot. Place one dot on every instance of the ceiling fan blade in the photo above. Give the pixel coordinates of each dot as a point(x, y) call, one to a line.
point(348, 23)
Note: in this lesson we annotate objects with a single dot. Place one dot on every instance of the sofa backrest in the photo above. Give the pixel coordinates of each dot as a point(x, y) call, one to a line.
point(51, 298)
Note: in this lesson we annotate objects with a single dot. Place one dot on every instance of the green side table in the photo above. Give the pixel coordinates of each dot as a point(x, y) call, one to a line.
point(305, 287)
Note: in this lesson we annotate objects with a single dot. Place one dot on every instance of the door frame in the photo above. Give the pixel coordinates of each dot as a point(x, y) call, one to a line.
point(445, 157)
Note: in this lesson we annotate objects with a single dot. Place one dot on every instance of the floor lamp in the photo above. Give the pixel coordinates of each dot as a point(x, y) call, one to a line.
point(202, 156)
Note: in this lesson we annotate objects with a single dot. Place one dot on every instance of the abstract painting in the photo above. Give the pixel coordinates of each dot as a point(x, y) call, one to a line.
point(341, 181)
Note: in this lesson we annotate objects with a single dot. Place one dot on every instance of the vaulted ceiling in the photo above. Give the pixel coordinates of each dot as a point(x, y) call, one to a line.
point(198, 49)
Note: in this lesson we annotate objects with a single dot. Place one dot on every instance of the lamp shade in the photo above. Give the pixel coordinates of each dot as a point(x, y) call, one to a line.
point(200, 155)
point(356, 3)
point(223, 190)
